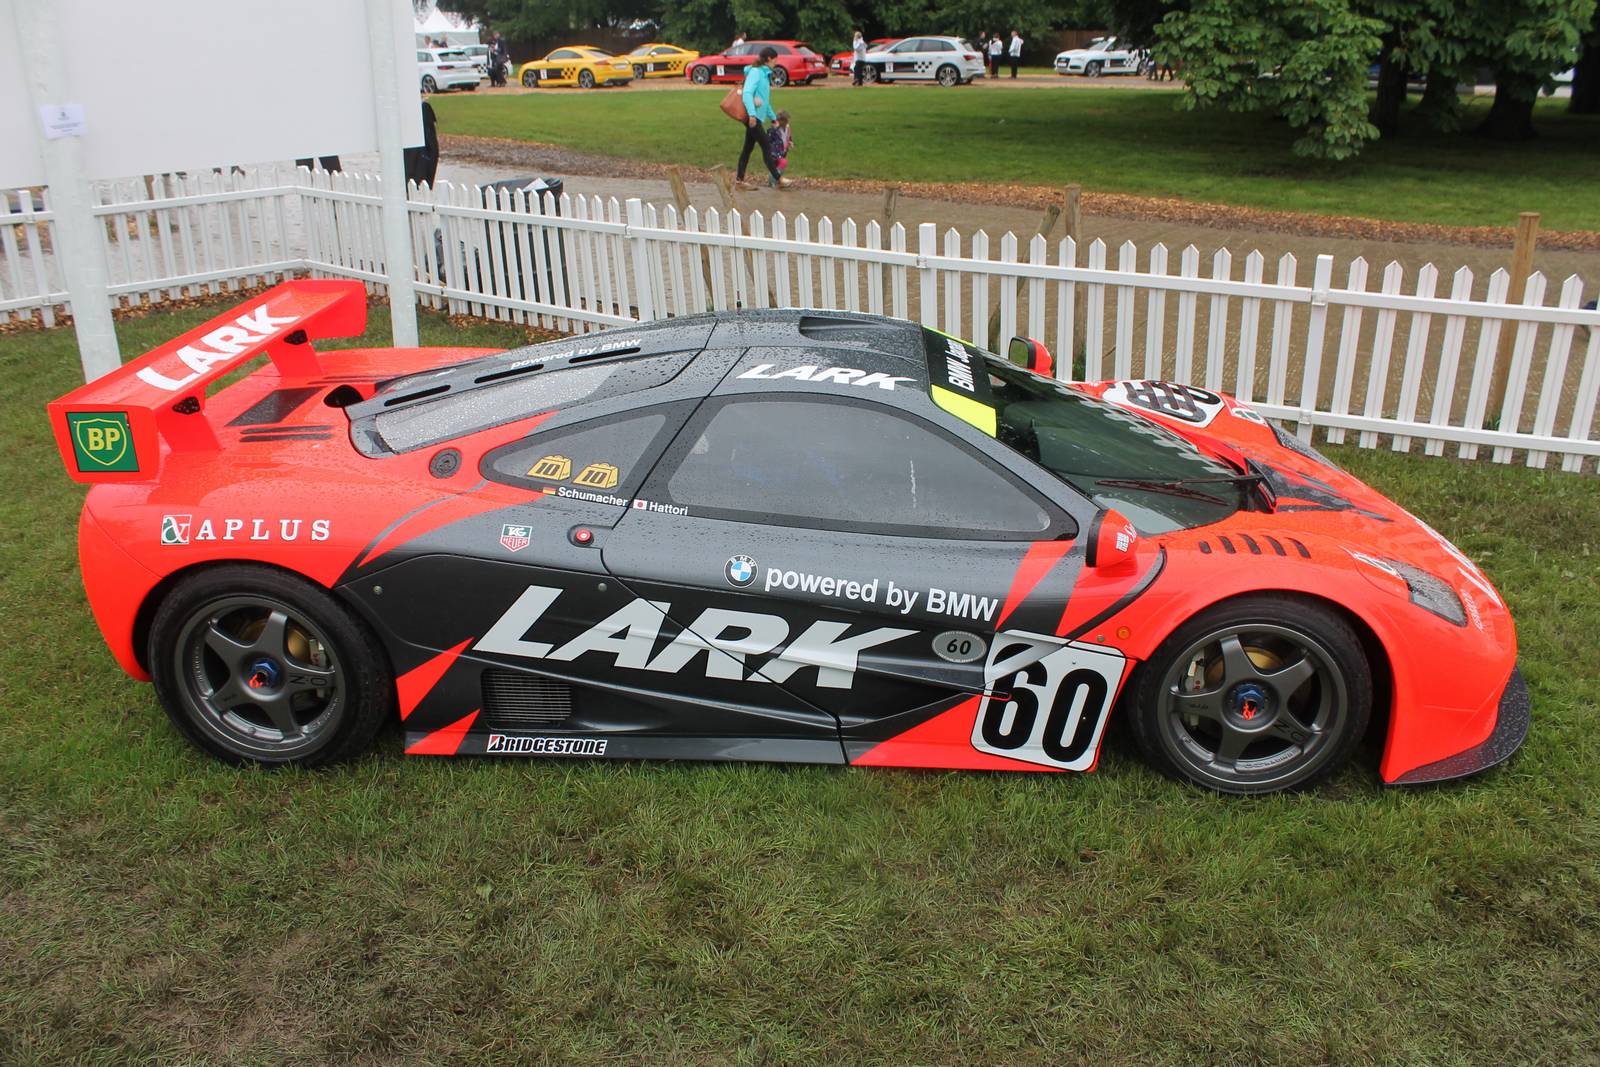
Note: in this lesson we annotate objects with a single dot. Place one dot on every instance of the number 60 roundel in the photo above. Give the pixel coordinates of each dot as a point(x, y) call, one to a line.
point(1046, 701)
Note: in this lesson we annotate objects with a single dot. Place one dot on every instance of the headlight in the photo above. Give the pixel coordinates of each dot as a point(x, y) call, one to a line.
point(1428, 592)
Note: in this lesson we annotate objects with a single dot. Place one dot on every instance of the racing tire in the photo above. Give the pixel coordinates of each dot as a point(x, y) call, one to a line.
point(586, 79)
point(428, 84)
point(1095, 69)
point(638, 70)
point(257, 666)
point(530, 79)
point(1261, 694)
point(948, 75)
point(700, 75)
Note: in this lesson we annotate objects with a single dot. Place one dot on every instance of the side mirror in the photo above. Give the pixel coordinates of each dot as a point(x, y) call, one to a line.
point(1113, 542)
point(1032, 355)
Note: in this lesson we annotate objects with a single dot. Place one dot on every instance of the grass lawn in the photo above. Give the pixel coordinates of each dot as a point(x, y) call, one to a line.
point(157, 906)
point(1108, 140)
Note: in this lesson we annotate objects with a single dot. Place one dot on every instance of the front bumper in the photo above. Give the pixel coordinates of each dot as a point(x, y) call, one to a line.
point(1510, 730)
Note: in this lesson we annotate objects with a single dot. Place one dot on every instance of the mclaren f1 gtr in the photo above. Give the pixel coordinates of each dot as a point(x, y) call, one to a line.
point(783, 535)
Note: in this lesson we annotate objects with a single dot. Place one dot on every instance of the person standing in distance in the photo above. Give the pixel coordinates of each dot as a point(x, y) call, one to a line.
point(858, 59)
point(996, 50)
point(757, 96)
point(1014, 51)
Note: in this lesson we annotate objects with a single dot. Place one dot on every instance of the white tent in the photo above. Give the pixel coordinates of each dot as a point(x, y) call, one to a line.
point(453, 29)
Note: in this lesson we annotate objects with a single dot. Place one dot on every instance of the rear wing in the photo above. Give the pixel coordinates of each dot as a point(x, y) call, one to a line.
point(110, 429)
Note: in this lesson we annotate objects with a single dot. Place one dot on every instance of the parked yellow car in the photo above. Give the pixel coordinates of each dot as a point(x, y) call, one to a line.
point(578, 65)
point(660, 60)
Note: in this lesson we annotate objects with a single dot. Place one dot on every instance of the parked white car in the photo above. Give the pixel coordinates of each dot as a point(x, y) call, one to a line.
point(1102, 56)
point(479, 54)
point(946, 60)
point(442, 69)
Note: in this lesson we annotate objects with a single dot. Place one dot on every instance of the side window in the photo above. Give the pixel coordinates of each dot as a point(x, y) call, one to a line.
point(740, 50)
point(605, 457)
point(933, 46)
point(903, 46)
point(563, 53)
point(842, 465)
point(423, 57)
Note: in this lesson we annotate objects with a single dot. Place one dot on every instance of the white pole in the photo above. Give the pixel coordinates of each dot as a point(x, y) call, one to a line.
point(75, 232)
point(388, 98)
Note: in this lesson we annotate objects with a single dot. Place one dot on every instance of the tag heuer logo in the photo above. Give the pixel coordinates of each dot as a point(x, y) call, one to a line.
point(175, 529)
point(741, 571)
point(514, 538)
point(101, 441)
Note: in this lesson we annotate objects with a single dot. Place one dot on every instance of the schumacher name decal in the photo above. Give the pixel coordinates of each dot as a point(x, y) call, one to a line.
point(218, 346)
point(631, 634)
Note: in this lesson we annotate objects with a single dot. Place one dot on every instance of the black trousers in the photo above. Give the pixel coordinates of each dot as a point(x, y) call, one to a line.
point(994, 66)
point(753, 136)
point(858, 70)
point(1014, 61)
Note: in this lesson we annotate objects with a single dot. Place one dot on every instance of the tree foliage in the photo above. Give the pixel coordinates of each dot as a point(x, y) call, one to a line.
point(1307, 62)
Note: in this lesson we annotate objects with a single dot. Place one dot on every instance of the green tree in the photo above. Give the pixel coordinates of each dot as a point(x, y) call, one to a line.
point(1306, 62)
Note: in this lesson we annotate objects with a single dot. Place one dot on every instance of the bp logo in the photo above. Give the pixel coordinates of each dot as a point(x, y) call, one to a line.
point(101, 441)
point(741, 571)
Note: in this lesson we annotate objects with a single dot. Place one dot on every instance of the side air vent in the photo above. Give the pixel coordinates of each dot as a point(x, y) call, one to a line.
point(1259, 545)
point(511, 698)
point(827, 328)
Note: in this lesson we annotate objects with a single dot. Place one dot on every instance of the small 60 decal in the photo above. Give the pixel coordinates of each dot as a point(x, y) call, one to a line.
point(1046, 702)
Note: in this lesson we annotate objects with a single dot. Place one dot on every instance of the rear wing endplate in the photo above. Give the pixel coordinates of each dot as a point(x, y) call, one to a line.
point(110, 429)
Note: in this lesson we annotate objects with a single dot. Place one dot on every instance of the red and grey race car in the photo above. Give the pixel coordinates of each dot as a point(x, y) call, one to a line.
point(796, 64)
point(778, 535)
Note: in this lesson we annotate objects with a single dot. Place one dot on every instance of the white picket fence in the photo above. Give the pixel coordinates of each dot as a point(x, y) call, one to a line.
point(1388, 359)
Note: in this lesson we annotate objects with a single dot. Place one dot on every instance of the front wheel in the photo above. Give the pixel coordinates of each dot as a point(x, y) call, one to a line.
point(700, 75)
point(254, 665)
point(1256, 695)
point(780, 77)
point(1095, 69)
point(530, 79)
point(428, 84)
point(948, 76)
point(638, 70)
point(586, 79)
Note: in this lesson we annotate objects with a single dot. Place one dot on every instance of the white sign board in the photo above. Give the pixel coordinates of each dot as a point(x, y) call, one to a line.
point(164, 85)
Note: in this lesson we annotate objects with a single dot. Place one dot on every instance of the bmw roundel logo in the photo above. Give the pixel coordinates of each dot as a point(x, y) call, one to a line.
point(741, 571)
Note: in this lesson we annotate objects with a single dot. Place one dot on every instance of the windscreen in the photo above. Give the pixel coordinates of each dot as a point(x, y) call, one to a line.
point(1118, 459)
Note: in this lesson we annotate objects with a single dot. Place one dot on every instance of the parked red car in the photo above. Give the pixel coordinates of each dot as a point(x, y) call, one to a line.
point(796, 63)
point(842, 61)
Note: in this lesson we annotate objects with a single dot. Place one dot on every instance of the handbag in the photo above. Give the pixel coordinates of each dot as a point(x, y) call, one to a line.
point(733, 107)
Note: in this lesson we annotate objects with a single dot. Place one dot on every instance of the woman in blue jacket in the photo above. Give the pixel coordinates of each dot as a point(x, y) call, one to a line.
point(758, 105)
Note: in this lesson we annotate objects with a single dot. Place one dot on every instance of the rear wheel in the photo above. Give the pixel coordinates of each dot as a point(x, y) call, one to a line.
point(428, 84)
point(780, 77)
point(257, 666)
point(700, 75)
point(948, 76)
point(1257, 695)
point(586, 79)
point(530, 79)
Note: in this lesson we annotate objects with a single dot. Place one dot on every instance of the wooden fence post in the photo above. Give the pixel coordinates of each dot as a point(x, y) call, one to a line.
point(1047, 222)
point(1522, 248)
point(1074, 211)
point(680, 197)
